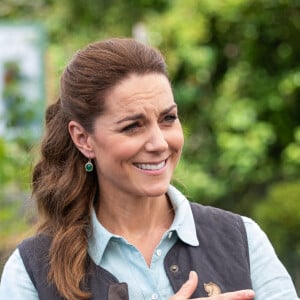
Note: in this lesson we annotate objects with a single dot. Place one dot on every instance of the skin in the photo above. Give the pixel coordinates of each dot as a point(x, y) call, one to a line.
point(139, 129)
point(136, 145)
point(190, 285)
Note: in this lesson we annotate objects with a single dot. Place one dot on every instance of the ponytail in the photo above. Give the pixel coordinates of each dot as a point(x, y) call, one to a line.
point(64, 193)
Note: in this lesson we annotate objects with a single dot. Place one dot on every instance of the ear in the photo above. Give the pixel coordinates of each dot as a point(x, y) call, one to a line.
point(81, 138)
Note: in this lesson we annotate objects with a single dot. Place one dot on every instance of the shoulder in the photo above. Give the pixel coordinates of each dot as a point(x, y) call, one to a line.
point(204, 214)
point(259, 242)
point(15, 281)
point(270, 278)
point(257, 238)
point(220, 224)
point(36, 240)
point(14, 263)
point(34, 254)
point(36, 244)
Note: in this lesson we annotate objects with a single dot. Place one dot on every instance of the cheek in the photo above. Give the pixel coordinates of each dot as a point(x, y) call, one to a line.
point(125, 152)
point(181, 138)
point(176, 139)
point(123, 149)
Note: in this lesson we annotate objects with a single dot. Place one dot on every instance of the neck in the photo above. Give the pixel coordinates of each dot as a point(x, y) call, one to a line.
point(141, 221)
point(135, 217)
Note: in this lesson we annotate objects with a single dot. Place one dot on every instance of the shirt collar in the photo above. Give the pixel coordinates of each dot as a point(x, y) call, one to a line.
point(98, 240)
point(183, 225)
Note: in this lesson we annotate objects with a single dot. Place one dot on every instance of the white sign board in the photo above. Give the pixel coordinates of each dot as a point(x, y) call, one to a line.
point(21, 80)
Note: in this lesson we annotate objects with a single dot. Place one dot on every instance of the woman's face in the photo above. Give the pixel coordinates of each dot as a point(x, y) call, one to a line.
point(137, 142)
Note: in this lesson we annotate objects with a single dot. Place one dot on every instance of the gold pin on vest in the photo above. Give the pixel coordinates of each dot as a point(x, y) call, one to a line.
point(212, 289)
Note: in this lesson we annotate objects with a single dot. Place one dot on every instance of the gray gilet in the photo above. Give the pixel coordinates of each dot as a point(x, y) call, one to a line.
point(221, 258)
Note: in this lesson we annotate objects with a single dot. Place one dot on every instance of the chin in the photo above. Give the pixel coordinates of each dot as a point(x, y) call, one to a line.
point(156, 191)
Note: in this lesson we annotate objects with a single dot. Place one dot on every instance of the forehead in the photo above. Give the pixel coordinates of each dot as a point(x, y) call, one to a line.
point(139, 92)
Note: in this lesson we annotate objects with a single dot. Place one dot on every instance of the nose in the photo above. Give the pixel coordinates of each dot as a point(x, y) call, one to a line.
point(156, 141)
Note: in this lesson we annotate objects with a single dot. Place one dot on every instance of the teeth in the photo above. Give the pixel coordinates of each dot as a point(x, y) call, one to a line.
point(151, 167)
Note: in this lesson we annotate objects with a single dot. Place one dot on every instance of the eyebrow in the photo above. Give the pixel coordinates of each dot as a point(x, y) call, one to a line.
point(135, 117)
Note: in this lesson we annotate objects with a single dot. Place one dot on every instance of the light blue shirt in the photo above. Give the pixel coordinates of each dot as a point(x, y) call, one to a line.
point(270, 279)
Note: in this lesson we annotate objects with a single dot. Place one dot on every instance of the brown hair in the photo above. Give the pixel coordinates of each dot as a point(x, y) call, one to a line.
point(64, 192)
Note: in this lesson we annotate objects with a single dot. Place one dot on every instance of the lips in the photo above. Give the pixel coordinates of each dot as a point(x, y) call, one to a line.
point(151, 167)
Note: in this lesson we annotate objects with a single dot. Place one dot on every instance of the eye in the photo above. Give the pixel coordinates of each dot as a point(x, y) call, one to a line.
point(170, 118)
point(131, 127)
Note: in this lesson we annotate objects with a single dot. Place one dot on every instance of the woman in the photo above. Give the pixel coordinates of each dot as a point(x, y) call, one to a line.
point(112, 226)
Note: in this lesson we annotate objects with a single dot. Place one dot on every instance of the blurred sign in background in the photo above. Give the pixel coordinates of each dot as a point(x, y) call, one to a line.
point(21, 81)
point(22, 102)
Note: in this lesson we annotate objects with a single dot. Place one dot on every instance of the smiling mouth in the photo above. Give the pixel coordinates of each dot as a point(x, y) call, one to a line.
point(151, 167)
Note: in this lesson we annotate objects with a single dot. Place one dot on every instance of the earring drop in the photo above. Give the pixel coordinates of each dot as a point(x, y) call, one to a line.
point(89, 166)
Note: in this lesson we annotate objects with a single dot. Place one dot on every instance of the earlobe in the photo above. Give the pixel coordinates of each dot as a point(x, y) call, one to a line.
point(80, 138)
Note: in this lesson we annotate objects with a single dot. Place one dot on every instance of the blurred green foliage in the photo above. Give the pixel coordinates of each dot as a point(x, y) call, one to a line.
point(285, 219)
point(234, 66)
point(15, 163)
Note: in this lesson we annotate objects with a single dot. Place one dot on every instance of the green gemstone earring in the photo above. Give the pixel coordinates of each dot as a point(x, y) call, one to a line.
point(89, 166)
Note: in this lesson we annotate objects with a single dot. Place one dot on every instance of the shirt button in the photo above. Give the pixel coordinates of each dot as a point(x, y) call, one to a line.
point(154, 296)
point(158, 252)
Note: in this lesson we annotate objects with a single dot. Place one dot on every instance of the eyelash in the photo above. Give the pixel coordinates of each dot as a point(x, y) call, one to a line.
point(131, 127)
point(171, 118)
